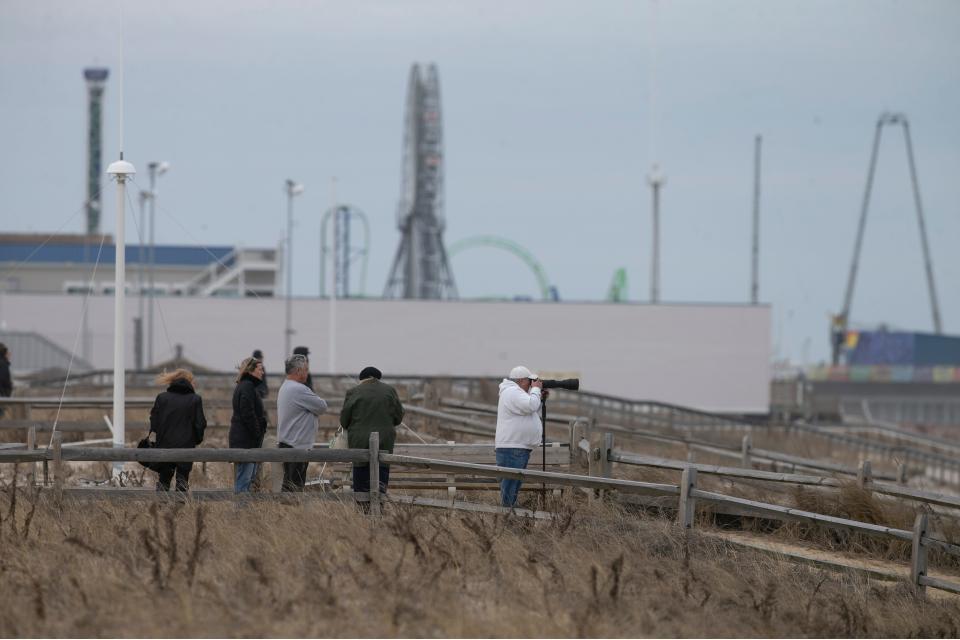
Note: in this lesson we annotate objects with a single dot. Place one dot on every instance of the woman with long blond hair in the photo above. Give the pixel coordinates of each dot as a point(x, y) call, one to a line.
point(248, 424)
point(178, 420)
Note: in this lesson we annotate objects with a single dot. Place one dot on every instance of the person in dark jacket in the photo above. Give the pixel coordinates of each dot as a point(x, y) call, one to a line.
point(6, 382)
point(248, 424)
point(371, 406)
point(305, 352)
point(178, 420)
point(262, 388)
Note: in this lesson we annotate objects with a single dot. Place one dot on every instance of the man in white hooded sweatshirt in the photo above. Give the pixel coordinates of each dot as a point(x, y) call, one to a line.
point(519, 429)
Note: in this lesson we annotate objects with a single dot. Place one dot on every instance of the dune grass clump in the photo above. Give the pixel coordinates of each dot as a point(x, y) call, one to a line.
point(317, 568)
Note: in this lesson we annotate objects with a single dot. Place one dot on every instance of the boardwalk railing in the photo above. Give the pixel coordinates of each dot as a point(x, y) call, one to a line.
point(943, 465)
point(911, 458)
point(719, 449)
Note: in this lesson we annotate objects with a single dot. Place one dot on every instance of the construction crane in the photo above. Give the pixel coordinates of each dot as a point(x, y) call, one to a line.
point(839, 322)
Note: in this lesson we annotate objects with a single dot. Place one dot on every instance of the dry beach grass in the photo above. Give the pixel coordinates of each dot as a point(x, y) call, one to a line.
point(312, 568)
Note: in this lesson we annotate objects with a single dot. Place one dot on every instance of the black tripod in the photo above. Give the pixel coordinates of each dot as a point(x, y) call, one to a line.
point(543, 447)
point(543, 432)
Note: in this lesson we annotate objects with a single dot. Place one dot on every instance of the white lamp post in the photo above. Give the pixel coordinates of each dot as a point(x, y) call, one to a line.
point(121, 171)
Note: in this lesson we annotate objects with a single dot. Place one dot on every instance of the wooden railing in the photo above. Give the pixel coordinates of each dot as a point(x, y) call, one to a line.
point(686, 493)
point(605, 455)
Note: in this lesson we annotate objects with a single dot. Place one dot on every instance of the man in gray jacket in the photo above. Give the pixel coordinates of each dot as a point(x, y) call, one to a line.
point(297, 410)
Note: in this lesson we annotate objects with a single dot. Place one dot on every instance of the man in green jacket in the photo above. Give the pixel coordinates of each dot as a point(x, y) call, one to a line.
point(371, 406)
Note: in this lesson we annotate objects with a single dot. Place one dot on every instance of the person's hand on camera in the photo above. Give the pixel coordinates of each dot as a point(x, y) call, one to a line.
point(545, 394)
point(536, 383)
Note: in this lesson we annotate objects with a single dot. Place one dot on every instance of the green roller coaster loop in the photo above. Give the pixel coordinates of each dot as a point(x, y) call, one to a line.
point(511, 247)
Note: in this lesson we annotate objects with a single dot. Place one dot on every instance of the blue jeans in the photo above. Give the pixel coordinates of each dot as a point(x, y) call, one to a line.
point(244, 476)
point(513, 459)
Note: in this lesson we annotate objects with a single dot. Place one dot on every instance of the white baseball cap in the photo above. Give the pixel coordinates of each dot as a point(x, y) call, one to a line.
point(518, 373)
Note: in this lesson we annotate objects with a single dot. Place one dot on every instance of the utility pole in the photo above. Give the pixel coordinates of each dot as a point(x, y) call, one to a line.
point(293, 189)
point(656, 179)
point(332, 319)
point(755, 270)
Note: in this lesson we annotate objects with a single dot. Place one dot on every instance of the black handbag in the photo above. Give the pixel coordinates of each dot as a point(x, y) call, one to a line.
point(146, 444)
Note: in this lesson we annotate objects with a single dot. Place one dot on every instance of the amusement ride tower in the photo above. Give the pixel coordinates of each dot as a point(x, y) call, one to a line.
point(420, 268)
point(96, 81)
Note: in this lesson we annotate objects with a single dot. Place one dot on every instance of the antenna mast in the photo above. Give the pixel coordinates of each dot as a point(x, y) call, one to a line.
point(121, 171)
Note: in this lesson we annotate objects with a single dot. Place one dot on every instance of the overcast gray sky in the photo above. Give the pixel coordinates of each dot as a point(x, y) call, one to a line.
point(548, 136)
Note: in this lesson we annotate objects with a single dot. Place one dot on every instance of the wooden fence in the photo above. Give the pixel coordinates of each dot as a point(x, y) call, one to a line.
point(945, 467)
point(686, 493)
point(606, 453)
point(731, 505)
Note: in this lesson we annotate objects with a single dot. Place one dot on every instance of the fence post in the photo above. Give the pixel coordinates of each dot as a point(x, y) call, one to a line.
point(31, 446)
point(577, 433)
point(688, 504)
point(556, 492)
point(451, 481)
point(745, 445)
point(918, 553)
point(276, 470)
point(57, 462)
point(902, 473)
point(431, 400)
point(864, 475)
point(600, 461)
point(375, 473)
point(593, 468)
point(606, 448)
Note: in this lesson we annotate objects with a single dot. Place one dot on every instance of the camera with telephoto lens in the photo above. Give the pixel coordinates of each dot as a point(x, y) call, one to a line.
point(570, 384)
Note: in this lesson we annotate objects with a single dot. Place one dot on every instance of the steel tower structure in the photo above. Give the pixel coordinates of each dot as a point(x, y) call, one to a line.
point(840, 321)
point(96, 81)
point(420, 268)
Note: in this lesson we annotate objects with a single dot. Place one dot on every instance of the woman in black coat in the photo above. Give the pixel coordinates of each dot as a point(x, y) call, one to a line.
point(248, 424)
point(178, 420)
point(6, 383)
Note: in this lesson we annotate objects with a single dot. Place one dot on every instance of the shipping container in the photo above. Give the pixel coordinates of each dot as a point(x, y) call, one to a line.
point(871, 348)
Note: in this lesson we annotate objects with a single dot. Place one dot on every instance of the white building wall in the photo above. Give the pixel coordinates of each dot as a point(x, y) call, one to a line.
point(712, 357)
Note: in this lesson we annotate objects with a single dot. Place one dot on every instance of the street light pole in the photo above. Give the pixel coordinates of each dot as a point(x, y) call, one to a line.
point(656, 180)
point(141, 272)
point(755, 254)
point(156, 168)
point(293, 189)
